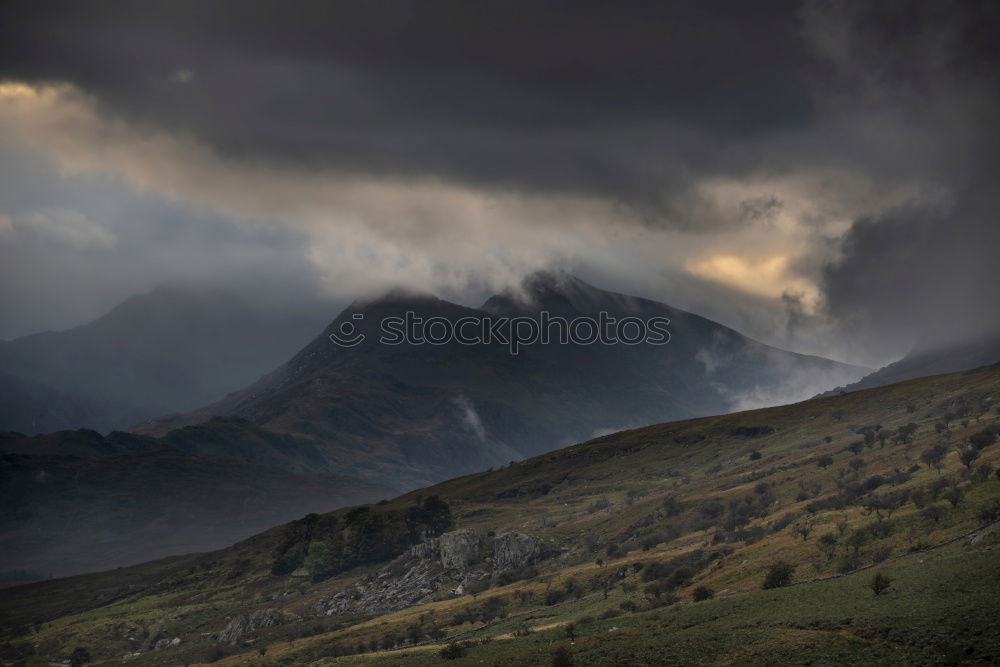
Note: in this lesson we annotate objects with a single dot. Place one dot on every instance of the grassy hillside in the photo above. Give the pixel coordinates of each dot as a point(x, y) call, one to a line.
point(632, 528)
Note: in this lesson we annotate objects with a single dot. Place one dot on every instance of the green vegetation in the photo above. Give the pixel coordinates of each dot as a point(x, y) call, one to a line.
point(326, 545)
point(672, 542)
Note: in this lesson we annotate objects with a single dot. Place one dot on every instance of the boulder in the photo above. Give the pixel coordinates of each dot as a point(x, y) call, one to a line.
point(429, 550)
point(513, 551)
point(459, 549)
point(243, 625)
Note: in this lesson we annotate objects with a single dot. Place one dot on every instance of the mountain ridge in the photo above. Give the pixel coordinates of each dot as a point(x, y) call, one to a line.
point(429, 410)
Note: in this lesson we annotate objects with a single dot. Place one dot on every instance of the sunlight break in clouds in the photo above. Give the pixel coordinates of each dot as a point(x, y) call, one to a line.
point(764, 235)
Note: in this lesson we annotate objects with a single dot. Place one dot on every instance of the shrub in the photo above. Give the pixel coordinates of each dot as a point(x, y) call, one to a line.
point(934, 513)
point(881, 554)
point(778, 575)
point(702, 593)
point(562, 657)
point(453, 651)
point(880, 583)
point(80, 656)
point(554, 596)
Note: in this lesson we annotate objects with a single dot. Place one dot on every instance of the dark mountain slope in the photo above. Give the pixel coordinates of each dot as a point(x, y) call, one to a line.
point(934, 360)
point(76, 501)
point(172, 349)
point(421, 413)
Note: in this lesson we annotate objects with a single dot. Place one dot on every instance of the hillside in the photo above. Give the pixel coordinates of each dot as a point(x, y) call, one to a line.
point(602, 548)
point(934, 360)
point(77, 501)
point(174, 348)
point(422, 413)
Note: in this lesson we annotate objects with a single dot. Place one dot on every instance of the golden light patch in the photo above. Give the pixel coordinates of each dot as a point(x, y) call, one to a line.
point(765, 276)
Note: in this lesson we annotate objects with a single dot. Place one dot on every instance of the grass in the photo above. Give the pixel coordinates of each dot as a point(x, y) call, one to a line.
point(938, 611)
point(554, 496)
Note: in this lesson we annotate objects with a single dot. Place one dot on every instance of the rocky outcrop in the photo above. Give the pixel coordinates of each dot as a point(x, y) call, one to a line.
point(243, 625)
point(441, 565)
point(429, 550)
point(385, 592)
point(513, 551)
point(459, 549)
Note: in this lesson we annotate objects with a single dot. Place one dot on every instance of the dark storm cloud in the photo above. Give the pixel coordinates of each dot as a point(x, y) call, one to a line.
point(924, 272)
point(624, 101)
point(828, 165)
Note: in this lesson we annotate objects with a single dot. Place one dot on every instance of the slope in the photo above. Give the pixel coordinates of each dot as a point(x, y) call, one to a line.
point(617, 532)
point(423, 412)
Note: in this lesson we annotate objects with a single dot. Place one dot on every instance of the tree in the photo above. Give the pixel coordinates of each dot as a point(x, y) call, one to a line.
point(934, 513)
point(453, 651)
point(562, 657)
point(933, 456)
point(955, 496)
point(702, 593)
point(778, 575)
point(415, 633)
point(804, 529)
point(906, 432)
point(968, 456)
point(571, 632)
point(317, 562)
point(80, 656)
point(983, 439)
point(880, 583)
point(856, 447)
point(824, 461)
point(755, 455)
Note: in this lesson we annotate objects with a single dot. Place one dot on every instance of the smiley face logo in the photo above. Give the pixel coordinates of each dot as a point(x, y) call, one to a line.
point(347, 334)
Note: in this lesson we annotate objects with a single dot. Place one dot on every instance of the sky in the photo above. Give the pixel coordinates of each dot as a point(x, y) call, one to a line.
point(819, 175)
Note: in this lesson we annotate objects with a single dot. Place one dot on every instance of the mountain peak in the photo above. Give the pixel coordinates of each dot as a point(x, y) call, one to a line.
point(558, 291)
point(396, 296)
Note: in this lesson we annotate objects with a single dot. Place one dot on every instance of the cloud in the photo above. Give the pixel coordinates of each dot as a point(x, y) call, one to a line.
point(764, 166)
point(64, 226)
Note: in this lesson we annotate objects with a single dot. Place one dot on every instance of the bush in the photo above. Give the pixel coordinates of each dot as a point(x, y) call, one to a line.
point(554, 596)
point(452, 651)
point(778, 575)
point(702, 593)
point(80, 656)
point(880, 583)
point(562, 658)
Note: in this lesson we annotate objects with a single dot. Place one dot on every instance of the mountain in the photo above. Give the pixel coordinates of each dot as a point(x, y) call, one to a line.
point(77, 501)
point(174, 348)
point(934, 360)
point(669, 544)
point(421, 413)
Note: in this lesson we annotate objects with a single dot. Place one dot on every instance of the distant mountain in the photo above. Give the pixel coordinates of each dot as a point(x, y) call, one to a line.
point(933, 360)
point(77, 501)
point(174, 348)
point(422, 413)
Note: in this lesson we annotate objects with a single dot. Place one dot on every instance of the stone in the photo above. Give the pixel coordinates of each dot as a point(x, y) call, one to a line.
point(459, 549)
point(429, 550)
point(513, 551)
point(242, 625)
